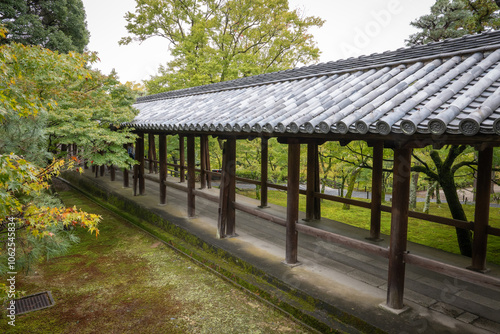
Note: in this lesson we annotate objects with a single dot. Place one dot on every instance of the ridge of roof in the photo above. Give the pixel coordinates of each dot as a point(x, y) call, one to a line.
point(449, 47)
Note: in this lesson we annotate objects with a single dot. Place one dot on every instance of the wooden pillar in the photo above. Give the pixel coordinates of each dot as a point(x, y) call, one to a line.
point(223, 196)
point(313, 204)
point(135, 170)
point(399, 227)
point(207, 164)
point(191, 176)
point(231, 174)
point(292, 210)
point(125, 178)
point(377, 176)
point(125, 170)
point(264, 162)
point(482, 210)
point(139, 156)
point(181, 158)
point(203, 162)
point(151, 149)
point(163, 168)
point(226, 224)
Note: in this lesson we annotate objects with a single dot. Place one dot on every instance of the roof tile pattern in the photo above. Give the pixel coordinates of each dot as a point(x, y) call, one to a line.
point(448, 87)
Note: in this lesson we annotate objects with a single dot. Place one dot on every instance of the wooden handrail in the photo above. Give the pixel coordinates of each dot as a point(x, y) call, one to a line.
point(385, 208)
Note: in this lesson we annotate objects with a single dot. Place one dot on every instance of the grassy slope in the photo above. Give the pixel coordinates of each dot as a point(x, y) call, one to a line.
point(419, 231)
point(127, 282)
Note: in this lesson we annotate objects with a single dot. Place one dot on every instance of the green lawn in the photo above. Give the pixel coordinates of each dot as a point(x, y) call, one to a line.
point(419, 231)
point(125, 281)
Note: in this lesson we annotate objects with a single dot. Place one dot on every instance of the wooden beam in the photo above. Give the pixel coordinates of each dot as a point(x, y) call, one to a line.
point(139, 156)
point(181, 158)
point(292, 210)
point(482, 210)
point(163, 168)
point(377, 176)
point(191, 176)
point(399, 227)
point(264, 162)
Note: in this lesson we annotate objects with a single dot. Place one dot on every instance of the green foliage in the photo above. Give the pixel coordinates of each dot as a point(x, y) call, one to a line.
point(33, 224)
point(53, 24)
point(455, 18)
point(216, 40)
point(48, 99)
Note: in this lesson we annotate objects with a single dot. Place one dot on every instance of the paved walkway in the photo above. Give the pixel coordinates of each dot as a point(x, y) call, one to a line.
point(352, 281)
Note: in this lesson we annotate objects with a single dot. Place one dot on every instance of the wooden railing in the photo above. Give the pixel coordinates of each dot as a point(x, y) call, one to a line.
point(367, 205)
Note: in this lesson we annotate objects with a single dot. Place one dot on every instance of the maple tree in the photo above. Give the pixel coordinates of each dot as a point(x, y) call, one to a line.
point(48, 100)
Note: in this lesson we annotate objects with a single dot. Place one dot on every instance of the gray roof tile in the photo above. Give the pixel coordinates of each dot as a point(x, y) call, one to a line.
point(446, 87)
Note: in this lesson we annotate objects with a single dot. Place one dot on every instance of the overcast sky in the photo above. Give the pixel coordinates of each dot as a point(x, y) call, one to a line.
point(352, 28)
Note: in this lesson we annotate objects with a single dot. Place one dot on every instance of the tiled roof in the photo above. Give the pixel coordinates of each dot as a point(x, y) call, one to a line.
point(445, 87)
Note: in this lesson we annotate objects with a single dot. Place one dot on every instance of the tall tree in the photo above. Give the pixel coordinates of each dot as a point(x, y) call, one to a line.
point(53, 24)
point(443, 169)
point(455, 18)
point(449, 19)
point(218, 40)
point(48, 99)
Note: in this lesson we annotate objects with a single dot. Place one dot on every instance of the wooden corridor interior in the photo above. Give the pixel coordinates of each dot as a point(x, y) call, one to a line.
point(396, 253)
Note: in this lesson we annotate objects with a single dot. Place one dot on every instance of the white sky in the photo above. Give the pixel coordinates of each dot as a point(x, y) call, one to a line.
point(352, 28)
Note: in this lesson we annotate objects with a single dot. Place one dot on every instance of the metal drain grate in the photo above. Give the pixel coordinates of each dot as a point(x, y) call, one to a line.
point(34, 302)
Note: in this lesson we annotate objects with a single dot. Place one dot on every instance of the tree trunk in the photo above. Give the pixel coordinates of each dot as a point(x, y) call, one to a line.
point(438, 194)
point(428, 196)
point(464, 236)
point(413, 190)
point(350, 186)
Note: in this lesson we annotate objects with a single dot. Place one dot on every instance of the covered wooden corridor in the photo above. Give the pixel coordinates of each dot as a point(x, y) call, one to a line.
point(439, 94)
point(344, 278)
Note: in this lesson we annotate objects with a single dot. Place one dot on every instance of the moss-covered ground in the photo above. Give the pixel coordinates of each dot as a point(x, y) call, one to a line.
point(419, 231)
point(125, 281)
